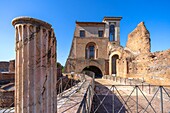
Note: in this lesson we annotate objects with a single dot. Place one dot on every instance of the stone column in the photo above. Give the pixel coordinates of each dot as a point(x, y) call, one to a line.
point(35, 71)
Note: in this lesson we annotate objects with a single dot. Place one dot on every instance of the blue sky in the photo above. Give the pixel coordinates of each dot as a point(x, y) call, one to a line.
point(62, 14)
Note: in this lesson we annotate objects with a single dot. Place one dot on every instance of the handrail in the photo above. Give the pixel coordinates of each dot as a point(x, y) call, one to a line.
point(78, 99)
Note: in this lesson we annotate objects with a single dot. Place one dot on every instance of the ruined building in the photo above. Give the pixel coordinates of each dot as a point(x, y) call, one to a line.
point(90, 48)
point(96, 47)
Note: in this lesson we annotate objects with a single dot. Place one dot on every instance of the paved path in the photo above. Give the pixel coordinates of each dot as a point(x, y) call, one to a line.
point(106, 82)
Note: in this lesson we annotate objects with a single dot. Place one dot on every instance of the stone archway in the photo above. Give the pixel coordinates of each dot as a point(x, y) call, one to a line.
point(114, 58)
point(112, 62)
point(96, 70)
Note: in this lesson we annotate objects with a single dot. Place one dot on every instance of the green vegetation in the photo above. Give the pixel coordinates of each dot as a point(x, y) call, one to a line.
point(60, 66)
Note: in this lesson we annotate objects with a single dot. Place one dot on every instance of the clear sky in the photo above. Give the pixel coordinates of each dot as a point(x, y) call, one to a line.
point(62, 14)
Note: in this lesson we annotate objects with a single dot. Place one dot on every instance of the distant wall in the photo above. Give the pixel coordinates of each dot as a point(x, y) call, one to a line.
point(12, 66)
point(7, 76)
point(7, 72)
point(4, 66)
point(7, 66)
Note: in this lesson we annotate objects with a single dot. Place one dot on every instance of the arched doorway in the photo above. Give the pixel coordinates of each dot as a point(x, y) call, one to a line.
point(114, 58)
point(96, 70)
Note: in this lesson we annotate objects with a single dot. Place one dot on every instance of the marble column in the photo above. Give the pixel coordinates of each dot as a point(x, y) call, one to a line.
point(35, 70)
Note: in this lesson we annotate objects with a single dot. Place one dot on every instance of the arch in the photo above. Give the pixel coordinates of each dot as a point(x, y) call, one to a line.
point(114, 58)
point(91, 51)
point(112, 62)
point(95, 69)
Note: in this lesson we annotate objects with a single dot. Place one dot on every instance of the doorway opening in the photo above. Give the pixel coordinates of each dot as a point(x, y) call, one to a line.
point(114, 58)
point(96, 70)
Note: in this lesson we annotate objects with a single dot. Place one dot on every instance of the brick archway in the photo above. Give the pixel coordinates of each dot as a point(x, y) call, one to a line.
point(96, 70)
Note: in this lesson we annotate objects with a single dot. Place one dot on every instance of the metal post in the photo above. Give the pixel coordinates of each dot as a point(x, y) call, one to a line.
point(61, 86)
point(161, 97)
point(84, 108)
point(59, 89)
point(89, 95)
point(71, 82)
point(136, 99)
point(142, 86)
point(125, 80)
point(113, 100)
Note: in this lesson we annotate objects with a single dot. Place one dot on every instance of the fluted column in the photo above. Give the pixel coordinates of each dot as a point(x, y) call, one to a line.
point(35, 71)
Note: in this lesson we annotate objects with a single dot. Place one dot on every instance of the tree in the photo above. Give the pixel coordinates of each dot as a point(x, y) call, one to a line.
point(60, 66)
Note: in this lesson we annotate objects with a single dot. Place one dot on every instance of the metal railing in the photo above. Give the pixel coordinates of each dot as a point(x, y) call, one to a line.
point(132, 99)
point(131, 96)
point(86, 104)
point(63, 84)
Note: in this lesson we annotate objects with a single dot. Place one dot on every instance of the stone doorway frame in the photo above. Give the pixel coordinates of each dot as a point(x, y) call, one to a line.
point(110, 60)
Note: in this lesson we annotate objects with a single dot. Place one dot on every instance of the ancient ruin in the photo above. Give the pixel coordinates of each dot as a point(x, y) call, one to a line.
point(129, 79)
point(90, 47)
point(96, 47)
point(35, 72)
point(7, 80)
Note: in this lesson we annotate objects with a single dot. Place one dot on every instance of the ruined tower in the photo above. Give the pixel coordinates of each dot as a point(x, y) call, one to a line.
point(35, 70)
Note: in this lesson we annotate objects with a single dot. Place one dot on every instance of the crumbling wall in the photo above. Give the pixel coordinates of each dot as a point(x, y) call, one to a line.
point(12, 66)
point(139, 39)
point(159, 67)
point(141, 63)
point(153, 68)
point(122, 67)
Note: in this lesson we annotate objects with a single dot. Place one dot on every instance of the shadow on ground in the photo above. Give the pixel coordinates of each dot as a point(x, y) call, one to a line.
point(104, 101)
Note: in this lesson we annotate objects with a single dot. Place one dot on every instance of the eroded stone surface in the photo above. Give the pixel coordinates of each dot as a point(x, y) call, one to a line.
point(139, 39)
point(35, 75)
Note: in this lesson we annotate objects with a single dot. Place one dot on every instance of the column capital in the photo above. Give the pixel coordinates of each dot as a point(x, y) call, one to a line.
point(29, 20)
